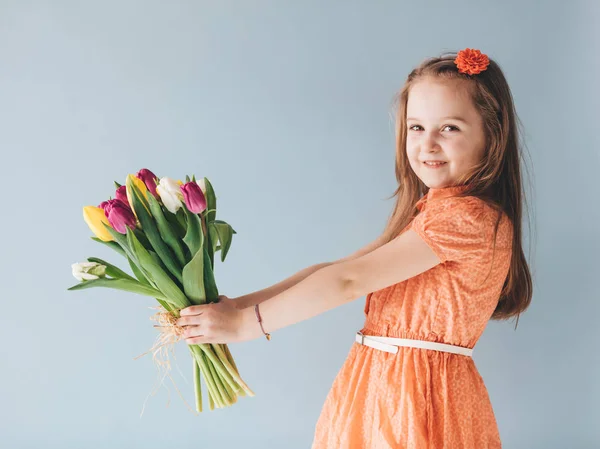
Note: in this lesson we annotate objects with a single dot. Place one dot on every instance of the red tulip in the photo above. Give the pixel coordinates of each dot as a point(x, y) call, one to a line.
point(119, 215)
point(149, 179)
point(193, 197)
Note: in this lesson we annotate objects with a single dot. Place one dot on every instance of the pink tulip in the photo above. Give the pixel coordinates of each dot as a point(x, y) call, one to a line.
point(193, 197)
point(122, 194)
point(149, 179)
point(119, 215)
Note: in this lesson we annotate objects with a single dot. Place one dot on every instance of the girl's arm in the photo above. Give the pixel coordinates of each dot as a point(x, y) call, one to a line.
point(260, 296)
point(337, 284)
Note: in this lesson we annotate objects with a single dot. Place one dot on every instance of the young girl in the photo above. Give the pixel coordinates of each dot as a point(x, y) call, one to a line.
point(449, 259)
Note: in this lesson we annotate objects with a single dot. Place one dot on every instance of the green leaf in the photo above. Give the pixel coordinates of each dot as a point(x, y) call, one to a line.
point(210, 286)
point(165, 284)
point(225, 232)
point(211, 201)
point(142, 238)
point(159, 263)
point(208, 243)
point(194, 237)
point(122, 242)
point(151, 231)
point(214, 237)
point(117, 185)
point(177, 225)
point(112, 270)
point(121, 284)
point(193, 279)
point(164, 228)
point(111, 244)
point(138, 272)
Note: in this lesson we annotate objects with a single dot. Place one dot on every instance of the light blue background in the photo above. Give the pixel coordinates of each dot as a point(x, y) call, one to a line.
point(285, 106)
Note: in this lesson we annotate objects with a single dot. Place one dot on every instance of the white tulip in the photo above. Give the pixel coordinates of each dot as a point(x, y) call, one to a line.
point(87, 271)
point(202, 185)
point(170, 194)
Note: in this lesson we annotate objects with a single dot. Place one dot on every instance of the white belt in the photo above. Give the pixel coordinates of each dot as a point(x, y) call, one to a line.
point(391, 344)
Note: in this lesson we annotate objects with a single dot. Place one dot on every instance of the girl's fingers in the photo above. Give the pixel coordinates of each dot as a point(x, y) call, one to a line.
point(192, 332)
point(192, 310)
point(196, 341)
point(190, 320)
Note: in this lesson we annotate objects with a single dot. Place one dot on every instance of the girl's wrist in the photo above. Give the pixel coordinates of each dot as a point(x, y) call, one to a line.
point(251, 326)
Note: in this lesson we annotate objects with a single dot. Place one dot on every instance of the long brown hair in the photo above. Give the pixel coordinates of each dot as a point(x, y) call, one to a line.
point(496, 178)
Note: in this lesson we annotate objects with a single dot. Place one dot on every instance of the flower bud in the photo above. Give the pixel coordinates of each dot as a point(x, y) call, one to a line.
point(95, 217)
point(202, 185)
point(194, 197)
point(149, 179)
point(170, 194)
point(119, 215)
point(121, 194)
point(140, 186)
point(87, 271)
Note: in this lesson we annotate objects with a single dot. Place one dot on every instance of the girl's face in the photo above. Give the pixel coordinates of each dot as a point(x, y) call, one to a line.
point(442, 125)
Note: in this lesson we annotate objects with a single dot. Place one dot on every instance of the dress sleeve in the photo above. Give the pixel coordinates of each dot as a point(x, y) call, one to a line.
point(454, 228)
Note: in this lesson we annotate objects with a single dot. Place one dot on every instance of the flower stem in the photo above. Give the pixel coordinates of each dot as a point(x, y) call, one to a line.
point(197, 386)
point(241, 391)
point(221, 399)
point(205, 366)
point(217, 364)
point(231, 371)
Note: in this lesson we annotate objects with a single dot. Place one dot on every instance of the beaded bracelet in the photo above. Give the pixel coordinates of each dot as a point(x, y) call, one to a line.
point(259, 318)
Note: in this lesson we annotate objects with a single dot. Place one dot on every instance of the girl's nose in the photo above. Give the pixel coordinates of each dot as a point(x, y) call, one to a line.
point(430, 144)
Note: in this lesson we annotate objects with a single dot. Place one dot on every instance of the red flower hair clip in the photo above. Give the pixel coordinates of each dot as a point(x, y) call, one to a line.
point(471, 61)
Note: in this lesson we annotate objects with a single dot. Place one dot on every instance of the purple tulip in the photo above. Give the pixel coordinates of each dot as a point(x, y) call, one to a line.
point(149, 179)
point(193, 197)
point(119, 215)
point(122, 194)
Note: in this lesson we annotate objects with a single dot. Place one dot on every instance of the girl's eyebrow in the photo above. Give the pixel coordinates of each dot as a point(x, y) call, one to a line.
point(454, 117)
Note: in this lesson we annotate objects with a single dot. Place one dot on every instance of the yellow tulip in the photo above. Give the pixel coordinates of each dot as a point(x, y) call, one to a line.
point(94, 217)
point(141, 187)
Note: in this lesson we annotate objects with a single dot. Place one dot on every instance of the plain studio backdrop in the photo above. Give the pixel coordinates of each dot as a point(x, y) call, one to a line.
point(287, 108)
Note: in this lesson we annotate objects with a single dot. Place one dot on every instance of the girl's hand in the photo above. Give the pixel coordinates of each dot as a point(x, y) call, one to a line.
point(220, 322)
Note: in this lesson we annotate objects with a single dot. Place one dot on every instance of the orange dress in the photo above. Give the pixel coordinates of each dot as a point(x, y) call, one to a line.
point(421, 398)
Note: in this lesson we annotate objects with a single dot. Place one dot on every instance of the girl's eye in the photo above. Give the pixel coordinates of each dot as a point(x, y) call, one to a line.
point(451, 126)
point(445, 126)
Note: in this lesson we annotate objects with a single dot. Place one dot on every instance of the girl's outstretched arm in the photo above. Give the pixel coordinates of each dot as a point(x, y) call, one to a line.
point(260, 296)
point(332, 286)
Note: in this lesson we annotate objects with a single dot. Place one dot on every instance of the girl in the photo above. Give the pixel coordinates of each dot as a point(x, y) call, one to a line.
point(449, 259)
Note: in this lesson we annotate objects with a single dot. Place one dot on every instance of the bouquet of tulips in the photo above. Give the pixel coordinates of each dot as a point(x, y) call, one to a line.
point(168, 233)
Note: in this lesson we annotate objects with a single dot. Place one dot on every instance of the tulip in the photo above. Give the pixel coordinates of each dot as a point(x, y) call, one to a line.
point(87, 271)
point(170, 194)
point(194, 197)
point(121, 194)
point(202, 185)
point(119, 215)
point(95, 217)
point(149, 179)
point(141, 187)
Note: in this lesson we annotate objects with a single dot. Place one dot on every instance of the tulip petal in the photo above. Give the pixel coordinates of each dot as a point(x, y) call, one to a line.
point(95, 217)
